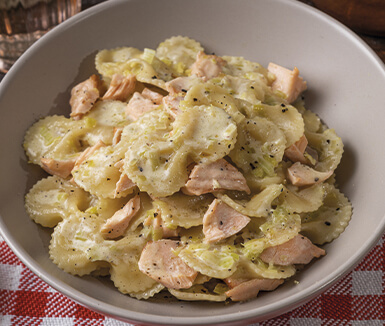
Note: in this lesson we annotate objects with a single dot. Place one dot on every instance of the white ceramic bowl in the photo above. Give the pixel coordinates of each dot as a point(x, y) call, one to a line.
point(346, 88)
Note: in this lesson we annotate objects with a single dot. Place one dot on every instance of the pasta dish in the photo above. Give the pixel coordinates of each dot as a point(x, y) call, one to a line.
point(183, 171)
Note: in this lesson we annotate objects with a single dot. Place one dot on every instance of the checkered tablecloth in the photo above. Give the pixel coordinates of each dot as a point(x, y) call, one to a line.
point(357, 300)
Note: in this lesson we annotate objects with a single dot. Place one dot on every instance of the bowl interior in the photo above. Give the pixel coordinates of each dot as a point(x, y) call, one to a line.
point(345, 87)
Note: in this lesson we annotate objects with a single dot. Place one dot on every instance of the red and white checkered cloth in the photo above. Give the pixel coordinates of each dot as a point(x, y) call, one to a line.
point(356, 300)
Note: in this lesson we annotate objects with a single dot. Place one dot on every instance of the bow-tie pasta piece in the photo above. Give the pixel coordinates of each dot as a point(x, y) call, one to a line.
point(260, 205)
point(327, 222)
point(182, 210)
point(100, 173)
point(71, 242)
point(55, 137)
point(52, 199)
point(297, 200)
point(106, 115)
point(123, 255)
point(240, 67)
point(206, 133)
point(158, 156)
point(179, 53)
point(259, 148)
point(144, 65)
point(329, 148)
point(217, 261)
point(261, 270)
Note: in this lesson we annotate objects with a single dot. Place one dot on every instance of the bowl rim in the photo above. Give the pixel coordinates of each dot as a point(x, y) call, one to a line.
point(262, 313)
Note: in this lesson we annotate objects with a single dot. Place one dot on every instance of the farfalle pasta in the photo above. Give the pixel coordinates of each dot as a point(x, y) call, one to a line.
point(187, 172)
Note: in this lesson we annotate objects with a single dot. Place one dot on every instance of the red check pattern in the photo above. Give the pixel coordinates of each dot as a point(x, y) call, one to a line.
point(357, 300)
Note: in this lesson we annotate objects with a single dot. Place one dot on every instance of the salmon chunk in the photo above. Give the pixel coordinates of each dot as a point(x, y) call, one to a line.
point(84, 96)
point(207, 66)
point(298, 250)
point(295, 152)
point(159, 262)
point(87, 153)
point(250, 289)
point(139, 105)
point(219, 175)
point(221, 221)
point(287, 81)
point(121, 88)
point(119, 164)
point(124, 183)
point(303, 175)
point(60, 168)
point(171, 104)
point(177, 89)
point(117, 137)
point(232, 282)
point(118, 223)
point(155, 97)
point(180, 85)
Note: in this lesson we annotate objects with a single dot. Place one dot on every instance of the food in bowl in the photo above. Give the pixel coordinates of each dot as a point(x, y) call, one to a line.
point(187, 172)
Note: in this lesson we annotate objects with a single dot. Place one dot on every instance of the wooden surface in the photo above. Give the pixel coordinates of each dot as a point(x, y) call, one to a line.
point(377, 43)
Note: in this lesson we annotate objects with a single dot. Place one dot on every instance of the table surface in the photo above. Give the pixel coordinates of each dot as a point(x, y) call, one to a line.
point(358, 299)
